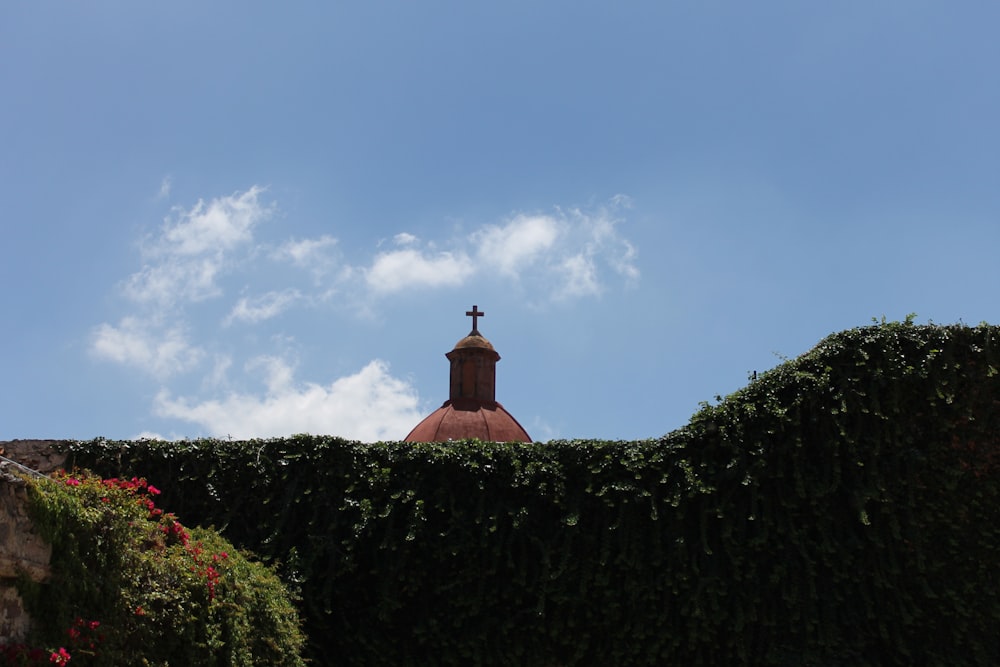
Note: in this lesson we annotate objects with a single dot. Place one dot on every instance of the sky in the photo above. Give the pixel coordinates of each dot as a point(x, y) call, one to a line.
point(255, 219)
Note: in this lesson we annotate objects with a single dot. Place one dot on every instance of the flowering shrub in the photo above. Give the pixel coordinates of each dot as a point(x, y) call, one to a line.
point(128, 578)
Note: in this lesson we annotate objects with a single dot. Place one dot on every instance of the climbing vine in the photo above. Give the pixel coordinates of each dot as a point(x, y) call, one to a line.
point(842, 508)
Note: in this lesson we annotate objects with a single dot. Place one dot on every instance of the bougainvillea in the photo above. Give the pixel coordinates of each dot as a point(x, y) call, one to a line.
point(133, 585)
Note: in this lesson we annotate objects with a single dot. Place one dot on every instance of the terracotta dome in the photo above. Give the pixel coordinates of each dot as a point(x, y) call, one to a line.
point(471, 410)
point(463, 419)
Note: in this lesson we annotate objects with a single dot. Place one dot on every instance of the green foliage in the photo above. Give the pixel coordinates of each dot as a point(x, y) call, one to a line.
point(130, 585)
point(842, 509)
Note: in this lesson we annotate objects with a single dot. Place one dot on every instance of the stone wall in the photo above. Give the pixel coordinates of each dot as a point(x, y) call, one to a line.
point(22, 550)
point(39, 455)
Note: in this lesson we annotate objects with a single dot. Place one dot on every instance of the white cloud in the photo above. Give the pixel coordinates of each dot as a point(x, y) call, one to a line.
point(403, 269)
point(518, 243)
point(564, 255)
point(307, 253)
point(403, 238)
point(621, 201)
point(624, 261)
point(263, 307)
point(148, 346)
point(167, 283)
point(219, 225)
point(278, 373)
point(182, 265)
point(579, 278)
point(304, 252)
point(220, 369)
point(370, 405)
point(595, 241)
point(193, 248)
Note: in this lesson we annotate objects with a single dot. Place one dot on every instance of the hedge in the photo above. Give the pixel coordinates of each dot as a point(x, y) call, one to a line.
point(841, 509)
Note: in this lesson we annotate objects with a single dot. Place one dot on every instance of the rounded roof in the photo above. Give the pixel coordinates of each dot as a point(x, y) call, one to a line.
point(463, 419)
point(474, 339)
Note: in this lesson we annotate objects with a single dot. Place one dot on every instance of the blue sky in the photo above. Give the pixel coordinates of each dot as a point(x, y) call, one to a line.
point(254, 219)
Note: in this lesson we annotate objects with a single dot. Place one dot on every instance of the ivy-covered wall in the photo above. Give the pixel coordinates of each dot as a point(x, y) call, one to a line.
point(842, 509)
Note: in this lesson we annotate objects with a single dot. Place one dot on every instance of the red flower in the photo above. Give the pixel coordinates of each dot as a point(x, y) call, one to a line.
point(153, 490)
point(60, 657)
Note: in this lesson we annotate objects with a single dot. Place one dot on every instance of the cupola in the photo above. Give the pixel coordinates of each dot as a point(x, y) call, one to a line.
point(471, 410)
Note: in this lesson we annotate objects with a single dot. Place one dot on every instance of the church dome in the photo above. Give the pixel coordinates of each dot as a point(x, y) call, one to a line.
point(471, 410)
point(464, 419)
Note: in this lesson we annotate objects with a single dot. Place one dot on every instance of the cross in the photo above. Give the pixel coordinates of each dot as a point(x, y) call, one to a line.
point(475, 314)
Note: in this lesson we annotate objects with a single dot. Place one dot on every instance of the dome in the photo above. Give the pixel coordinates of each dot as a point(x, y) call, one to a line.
point(466, 418)
point(476, 340)
point(471, 410)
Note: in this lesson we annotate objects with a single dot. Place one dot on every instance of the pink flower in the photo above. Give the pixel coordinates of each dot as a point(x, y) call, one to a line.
point(72, 481)
point(153, 490)
point(60, 657)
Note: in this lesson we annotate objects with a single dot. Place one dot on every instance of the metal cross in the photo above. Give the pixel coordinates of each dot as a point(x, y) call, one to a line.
point(475, 314)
